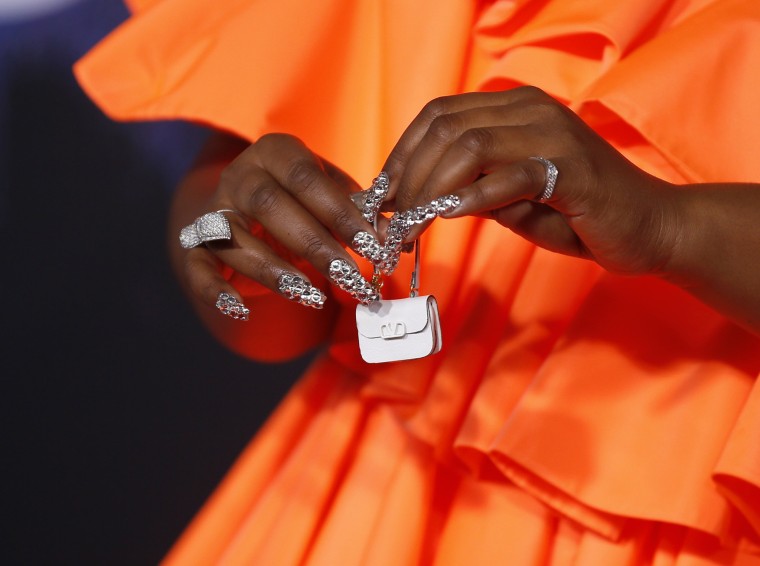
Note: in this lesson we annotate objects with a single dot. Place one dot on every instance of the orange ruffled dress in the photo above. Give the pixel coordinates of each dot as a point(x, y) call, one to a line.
point(573, 417)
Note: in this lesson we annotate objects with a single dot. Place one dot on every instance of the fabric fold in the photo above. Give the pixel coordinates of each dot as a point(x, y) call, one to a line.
point(605, 419)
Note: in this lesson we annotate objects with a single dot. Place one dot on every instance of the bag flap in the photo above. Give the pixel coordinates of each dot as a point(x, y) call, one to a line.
point(394, 318)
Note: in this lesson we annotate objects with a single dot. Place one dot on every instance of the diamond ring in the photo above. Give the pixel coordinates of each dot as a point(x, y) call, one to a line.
point(207, 228)
point(551, 179)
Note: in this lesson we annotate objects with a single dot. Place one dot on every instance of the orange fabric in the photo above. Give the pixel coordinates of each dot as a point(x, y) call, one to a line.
point(136, 6)
point(573, 417)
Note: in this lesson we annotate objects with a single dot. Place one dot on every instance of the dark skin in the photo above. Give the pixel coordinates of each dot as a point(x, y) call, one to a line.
point(477, 146)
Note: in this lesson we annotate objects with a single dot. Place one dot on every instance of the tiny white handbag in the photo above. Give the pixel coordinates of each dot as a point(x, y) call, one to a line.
point(400, 329)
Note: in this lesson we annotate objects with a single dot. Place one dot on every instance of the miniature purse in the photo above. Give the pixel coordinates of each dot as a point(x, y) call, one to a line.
point(400, 329)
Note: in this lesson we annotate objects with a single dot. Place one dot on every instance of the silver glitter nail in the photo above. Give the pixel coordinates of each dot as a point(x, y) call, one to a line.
point(229, 305)
point(351, 281)
point(367, 246)
point(401, 224)
point(373, 197)
point(297, 289)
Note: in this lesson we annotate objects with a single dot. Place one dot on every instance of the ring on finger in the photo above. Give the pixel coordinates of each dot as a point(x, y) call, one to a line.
point(207, 228)
point(551, 179)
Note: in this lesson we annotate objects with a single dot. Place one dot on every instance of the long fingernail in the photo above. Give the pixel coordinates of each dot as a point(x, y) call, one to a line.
point(301, 291)
point(351, 281)
point(398, 229)
point(229, 305)
point(401, 224)
point(374, 196)
point(367, 246)
point(441, 205)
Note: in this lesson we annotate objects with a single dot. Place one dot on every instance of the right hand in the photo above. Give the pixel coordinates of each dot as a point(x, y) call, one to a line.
point(298, 199)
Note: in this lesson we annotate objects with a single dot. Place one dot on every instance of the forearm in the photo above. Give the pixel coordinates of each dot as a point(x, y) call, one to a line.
point(717, 256)
point(277, 329)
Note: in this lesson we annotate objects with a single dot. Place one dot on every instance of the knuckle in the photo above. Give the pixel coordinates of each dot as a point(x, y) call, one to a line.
point(312, 244)
point(436, 107)
point(258, 266)
point(398, 155)
point(547, 109)
point(274, 139)
point(263, 197)
point(477, 141)
point(445, 127)
point(341, 217)
point(302, 175)
point(530, 92)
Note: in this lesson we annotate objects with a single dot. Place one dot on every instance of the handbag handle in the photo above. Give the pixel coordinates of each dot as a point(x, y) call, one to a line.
point(414, 284)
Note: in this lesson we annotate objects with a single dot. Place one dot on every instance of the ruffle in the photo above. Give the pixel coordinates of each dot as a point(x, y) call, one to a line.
point(335, 73)
point(613, 412)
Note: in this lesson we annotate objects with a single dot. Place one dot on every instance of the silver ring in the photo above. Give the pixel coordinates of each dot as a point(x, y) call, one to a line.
point(207, 228)
point(551, 179)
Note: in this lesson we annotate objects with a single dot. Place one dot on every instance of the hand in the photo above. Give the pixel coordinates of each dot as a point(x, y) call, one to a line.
point(299, 203)
point(478, 146)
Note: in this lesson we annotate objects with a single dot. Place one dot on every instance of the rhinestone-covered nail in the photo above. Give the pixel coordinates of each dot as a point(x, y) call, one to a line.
point(401, 224)
point(297, 289)
point(350, 280)
point(229, 305)
point(373, 197)
point(367, 246)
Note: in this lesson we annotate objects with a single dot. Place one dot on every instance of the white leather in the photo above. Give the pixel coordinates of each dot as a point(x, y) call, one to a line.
point(401, 329)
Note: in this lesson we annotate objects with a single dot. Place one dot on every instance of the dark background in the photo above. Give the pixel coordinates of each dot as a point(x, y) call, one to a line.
point(119, 413)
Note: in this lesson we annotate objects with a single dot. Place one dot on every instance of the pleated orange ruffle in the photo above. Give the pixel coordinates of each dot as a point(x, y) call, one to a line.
point(574, 417)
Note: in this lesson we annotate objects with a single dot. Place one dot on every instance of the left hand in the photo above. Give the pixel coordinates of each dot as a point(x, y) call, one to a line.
point(478, 147)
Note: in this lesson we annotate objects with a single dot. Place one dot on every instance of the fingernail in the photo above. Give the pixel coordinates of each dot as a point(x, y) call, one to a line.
point(398, 229)
point(401, 224)
point(351, 281)
point(374, 196)
point(441, 205)
point(301, 291)
point(446, 204)
point(229, 305)
point(367, 246)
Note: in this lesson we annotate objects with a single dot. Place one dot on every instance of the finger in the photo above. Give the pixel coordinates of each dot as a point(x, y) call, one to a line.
point(295, 228)
point(253, 258)
point(541, 225)
point(476, 151)
point(464, 129)
point(404, 149)
point(204, 280)
point(523, 179)
point(302, 175)
point(341, 178)
point(402, 224)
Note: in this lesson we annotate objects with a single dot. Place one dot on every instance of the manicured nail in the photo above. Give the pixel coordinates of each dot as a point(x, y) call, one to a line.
point(401, 224)
point(398, 229)
point(367, 246)
point(374, 196)
point(229, 305)
point(441, 205)
point(297, 289)
point(351, 281)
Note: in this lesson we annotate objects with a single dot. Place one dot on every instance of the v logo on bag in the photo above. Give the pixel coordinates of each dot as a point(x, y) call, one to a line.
point(391, 330)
